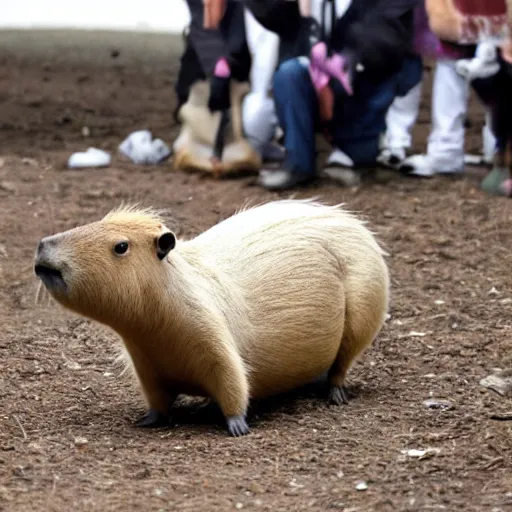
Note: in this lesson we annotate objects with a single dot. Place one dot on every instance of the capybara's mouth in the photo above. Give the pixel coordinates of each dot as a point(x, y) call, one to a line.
point(51, 277)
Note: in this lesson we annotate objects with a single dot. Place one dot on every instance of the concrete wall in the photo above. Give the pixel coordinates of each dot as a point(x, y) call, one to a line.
point(131, 15)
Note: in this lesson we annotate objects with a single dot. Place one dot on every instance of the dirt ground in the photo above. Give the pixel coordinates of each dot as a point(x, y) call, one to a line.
point(67, 441)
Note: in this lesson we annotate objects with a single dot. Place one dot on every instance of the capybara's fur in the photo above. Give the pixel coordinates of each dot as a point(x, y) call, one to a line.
point(265, 301)
point(193, 148)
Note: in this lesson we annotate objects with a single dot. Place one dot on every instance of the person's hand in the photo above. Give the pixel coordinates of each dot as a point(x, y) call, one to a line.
point(213, 12)
point(220, 98)
point(506, 50)
point(339, 66)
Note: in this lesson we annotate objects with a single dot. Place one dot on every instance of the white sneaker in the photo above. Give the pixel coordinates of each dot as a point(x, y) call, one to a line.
point(339, 168)
point(427, 166)
point(391, 157)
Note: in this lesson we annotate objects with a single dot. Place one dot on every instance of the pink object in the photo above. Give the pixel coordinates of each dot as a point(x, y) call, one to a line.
point(222, 69)
point(426, 43)
point(323, 68)
point(506, 187)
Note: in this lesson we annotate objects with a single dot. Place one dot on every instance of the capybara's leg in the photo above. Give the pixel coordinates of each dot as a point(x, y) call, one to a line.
point(228, 386)
point(364, 318)
point(338, 371)
point(160, 402)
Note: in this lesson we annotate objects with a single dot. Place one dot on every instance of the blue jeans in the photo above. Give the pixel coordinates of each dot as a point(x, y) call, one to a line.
point(357, 122)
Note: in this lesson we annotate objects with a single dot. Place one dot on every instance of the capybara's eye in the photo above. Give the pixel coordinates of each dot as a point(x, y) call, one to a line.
point(121, 248)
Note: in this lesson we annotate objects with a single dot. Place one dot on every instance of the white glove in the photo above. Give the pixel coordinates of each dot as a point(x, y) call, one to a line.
point(141, 149)
point(483, 65)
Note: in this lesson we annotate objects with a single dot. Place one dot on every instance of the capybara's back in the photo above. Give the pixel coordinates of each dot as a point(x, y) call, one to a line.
point(303, 286)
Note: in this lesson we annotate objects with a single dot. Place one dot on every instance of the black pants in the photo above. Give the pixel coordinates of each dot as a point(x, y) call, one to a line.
point(496, 94)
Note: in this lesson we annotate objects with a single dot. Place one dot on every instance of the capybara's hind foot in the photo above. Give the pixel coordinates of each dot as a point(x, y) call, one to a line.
point(152, 419)
point(338, 395)
point(237, 426)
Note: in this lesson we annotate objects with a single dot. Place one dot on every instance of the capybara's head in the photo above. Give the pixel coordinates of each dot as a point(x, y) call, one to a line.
point(107, 270)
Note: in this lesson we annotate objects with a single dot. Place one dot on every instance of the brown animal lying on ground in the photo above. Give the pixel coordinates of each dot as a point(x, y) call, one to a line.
point(265, 301)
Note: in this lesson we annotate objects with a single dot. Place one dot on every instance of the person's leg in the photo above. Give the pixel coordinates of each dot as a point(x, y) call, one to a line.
point(445, 151)
point(297, 110)
point(400, 120)
point(258, 114)
point(488, 140)
point(359, 120)
point(259, 123)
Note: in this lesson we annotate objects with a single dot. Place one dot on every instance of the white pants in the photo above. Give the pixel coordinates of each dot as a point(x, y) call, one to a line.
point(258, 109)
point(450, 94)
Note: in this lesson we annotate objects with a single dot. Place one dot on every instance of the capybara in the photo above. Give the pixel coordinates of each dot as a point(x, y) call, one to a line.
point(263, 302)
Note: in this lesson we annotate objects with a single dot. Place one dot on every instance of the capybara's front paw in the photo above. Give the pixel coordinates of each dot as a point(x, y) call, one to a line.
point(338, 395)
point(152, 419)
point(237, 426)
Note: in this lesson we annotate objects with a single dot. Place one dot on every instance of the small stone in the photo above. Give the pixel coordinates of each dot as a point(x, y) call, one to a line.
point(107, 374)
point(8, 186)
point(81, 441)
point(417, 334)
point(438, 404)
point(158, 492)
point(493, 291)
point(361, 486)
point(258, 503)
point(239, 506)
point(143, 473)
point(255, 488)
point(35, 448)
point(421, 454)
point(85, 131)
point(500, 382)
point(439, 302)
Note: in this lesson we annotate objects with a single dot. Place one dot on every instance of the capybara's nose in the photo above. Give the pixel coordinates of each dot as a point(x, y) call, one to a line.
point(40, 247)
point(44, 246)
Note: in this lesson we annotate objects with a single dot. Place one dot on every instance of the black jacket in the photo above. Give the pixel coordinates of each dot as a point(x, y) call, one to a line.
point(378, 33)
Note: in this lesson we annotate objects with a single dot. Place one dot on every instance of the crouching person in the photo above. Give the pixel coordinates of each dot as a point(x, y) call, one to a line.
point(212, 84)
point(340, 81)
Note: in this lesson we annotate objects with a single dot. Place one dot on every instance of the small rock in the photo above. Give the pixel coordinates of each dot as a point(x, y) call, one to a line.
point(421, 454)
point(493, 291)
point(258, 503)
point(438, 404)
point(239, 506)
point(158, 492)
point(85, 131)
point(417, 334)
point(107, 374)
point(506, 301)
point(143, 473)
point(255, 488)
point(501, 382)
point(361, 486)
point(35, 448)
point(81, 441)
point(8, 186)
point(439, 302)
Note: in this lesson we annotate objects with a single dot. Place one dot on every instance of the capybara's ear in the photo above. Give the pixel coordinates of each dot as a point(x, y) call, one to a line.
point(165, 243)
